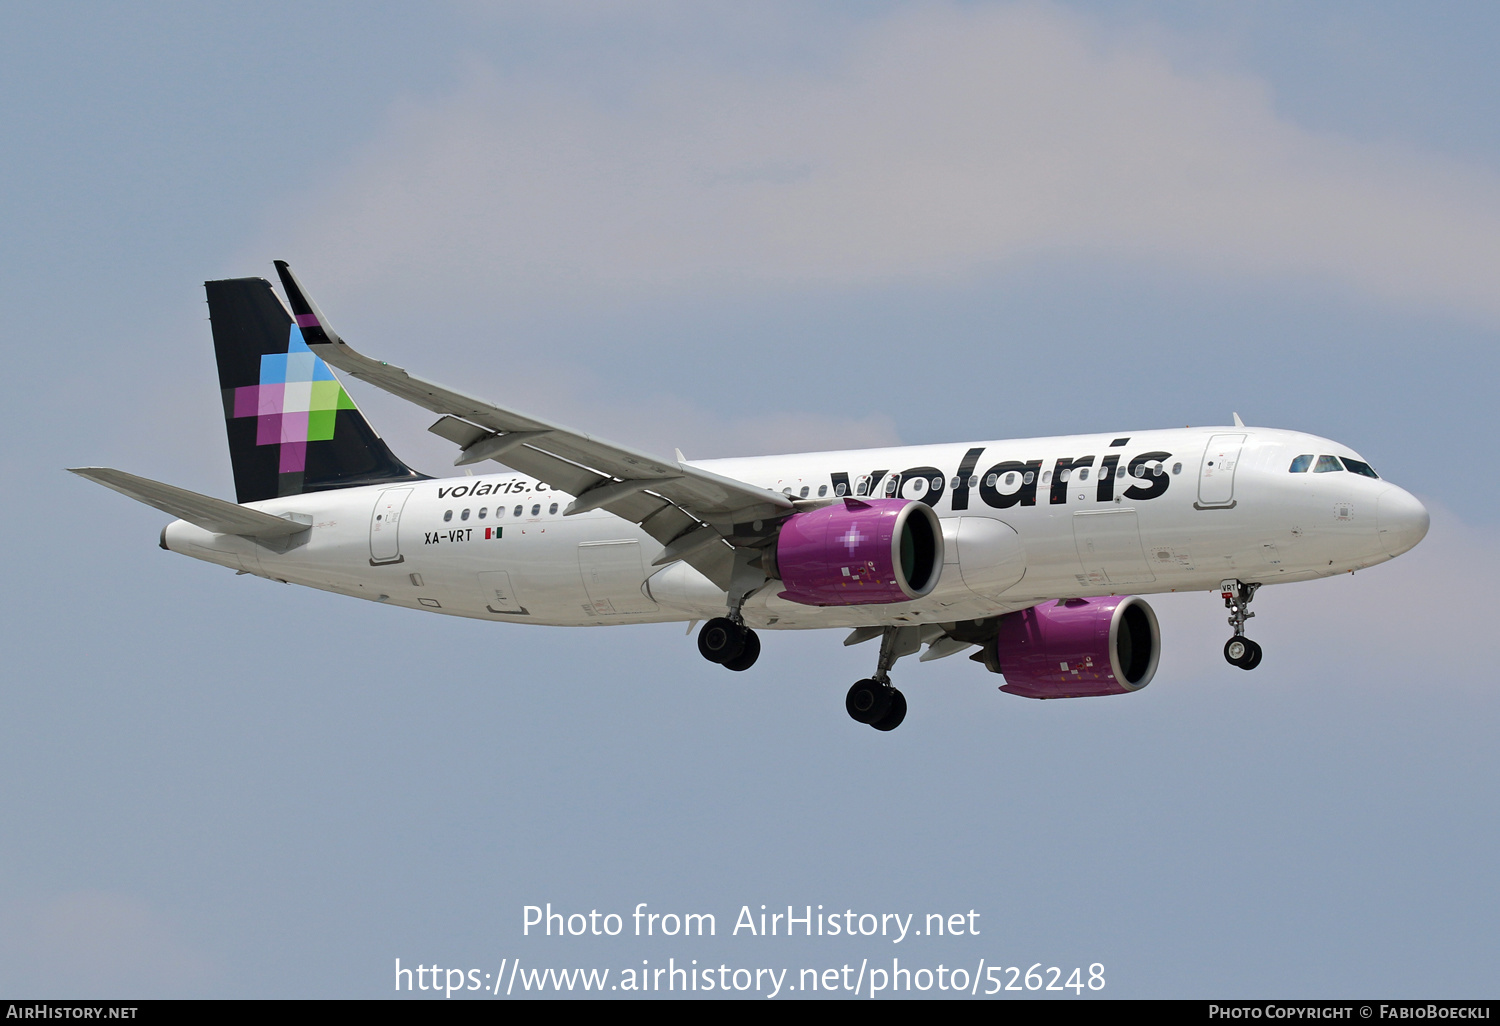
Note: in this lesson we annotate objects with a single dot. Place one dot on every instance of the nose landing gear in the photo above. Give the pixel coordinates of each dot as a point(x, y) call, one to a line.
point(1239, 650)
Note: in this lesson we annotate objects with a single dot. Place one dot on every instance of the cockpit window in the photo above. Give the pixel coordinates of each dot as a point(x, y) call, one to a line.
point(1360, 468)
point(1301, 463)
point(1326, 464)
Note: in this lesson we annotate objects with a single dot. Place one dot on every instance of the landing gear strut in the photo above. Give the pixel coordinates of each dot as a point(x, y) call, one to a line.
point(725, 639)
point(731, 645)
point(873, 700)
point(1239, 650)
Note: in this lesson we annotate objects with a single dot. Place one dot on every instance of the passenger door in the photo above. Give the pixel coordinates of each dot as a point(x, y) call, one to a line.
point(1216, 474)
point(385, 526)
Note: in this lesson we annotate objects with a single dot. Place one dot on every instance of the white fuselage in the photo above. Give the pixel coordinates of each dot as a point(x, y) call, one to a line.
point(1176, 510)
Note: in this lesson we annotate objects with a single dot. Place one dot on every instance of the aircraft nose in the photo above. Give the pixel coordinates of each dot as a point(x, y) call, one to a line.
point(1400, 519)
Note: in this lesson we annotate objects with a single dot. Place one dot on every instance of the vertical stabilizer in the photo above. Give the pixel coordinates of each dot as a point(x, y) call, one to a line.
point(292, 427)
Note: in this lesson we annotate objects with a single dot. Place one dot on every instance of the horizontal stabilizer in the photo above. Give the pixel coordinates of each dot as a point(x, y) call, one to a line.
point(205, 511)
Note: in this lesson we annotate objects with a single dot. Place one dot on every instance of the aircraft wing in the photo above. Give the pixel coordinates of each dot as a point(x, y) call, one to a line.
point(671, 501)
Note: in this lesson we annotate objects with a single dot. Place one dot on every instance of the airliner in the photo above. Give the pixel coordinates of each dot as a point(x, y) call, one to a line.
point(1029, 554)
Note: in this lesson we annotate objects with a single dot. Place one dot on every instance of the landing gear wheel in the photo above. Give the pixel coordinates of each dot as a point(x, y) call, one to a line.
point(893, 717)
point(869, 700)
point(1252, 658)
point(748, 654)
point(1242, 652)
point(721, 639)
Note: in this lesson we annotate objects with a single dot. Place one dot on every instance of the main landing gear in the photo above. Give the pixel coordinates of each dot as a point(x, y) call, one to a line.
point(873, 700)
point(732, 645)
point(725, 639)
point(1239, 650)
point(876, 703)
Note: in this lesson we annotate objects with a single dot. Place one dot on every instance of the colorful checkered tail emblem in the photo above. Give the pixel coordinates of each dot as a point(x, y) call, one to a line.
point(292, 428)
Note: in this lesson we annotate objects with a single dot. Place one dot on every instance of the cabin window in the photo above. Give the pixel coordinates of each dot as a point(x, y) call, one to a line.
point(1177, 468)
point(989, 482)
point(822, 490)
point(536, 510)
point(1062, 475)
point(447, 515)
point(552, 509)
point(956, 483)
point(838, 489)
point(803, 493)
point(1327, 464)
point(517, 512)
point(1030, 476)
point(1083, 474)
point(1300, 464)
point(482, 512)
point(464, 515)
point(1361, 468)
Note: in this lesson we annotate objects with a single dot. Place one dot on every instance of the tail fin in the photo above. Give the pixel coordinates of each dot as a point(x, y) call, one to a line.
point(292, 427)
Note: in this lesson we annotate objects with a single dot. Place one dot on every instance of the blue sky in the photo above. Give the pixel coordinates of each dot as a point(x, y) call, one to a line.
point(793, 227)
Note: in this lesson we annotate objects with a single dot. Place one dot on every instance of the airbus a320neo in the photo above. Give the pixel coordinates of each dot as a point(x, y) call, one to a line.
point(1029, 553)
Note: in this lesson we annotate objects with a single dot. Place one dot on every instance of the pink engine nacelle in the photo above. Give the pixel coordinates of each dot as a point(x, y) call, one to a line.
point(860, 552)
point(1077, 648)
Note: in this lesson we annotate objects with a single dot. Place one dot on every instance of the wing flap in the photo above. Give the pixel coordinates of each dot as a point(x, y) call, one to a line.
point(460, 432)
point(565, 476)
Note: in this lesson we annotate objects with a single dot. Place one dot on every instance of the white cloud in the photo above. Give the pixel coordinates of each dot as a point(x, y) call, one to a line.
point(939, 141)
